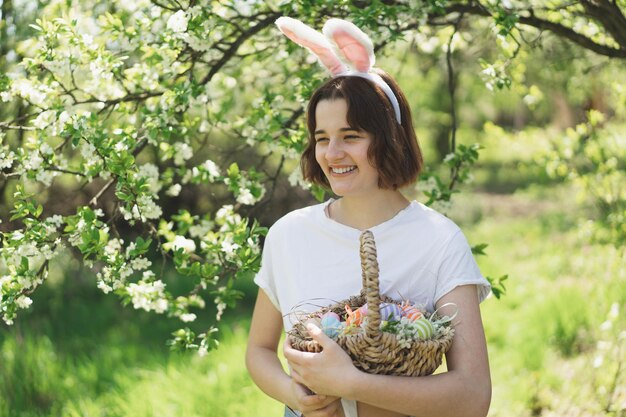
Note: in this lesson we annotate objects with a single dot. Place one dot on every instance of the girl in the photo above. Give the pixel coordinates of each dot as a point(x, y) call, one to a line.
point(363, 147)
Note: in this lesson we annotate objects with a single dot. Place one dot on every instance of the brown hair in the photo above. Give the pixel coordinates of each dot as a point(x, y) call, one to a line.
point(394, 150)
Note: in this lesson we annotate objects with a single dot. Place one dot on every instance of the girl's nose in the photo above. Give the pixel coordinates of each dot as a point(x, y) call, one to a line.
point(334, 150)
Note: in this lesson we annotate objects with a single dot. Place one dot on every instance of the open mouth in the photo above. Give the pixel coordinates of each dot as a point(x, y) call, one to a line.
point(342, 170)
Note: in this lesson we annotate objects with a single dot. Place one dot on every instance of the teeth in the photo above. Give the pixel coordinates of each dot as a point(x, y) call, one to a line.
point(343, 170)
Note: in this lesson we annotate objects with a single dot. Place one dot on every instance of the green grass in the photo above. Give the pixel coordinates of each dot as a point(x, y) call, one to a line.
point(118, 379)
point(544, 333)
point(77, 352)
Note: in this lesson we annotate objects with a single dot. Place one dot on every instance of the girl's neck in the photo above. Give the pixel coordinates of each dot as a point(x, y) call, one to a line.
point(364, 212)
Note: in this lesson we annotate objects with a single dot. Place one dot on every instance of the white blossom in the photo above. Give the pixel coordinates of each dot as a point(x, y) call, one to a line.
point(120, 147)
point(428, 185)
point(145, 208)
point(212, 168)
point(88, 151)
point(148, 296)
point(100, 70)
point(149, 209)
point(140, 263)
point(33, 162)
point(46, 177)
point(226, 215)
point(47, 252)
point(23, 301)
point(187, 245)
point(200, 230)
point(188, 317)
point(229, 247)
point(46, 149)
point(26, 89)
point(449, 157)
point(245, 197)
point(202, 351)
point(177, 22)
point(296, 179)
point(113, 247)
point(104, 287)
point(197, 44)
point(27, 249)
point(174, 190)
point(151, 173)
point(182, 153)
point(44, 119)
point(126, 271)
point(221, 306)
point(6, 159)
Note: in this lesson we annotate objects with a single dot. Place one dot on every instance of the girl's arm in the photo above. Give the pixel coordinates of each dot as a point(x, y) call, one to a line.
point(463, 391)
point(267, 371)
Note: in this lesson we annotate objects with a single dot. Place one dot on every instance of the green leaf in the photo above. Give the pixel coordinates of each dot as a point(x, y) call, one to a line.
point(479, 249)
point(497, 285)
point(233, 170)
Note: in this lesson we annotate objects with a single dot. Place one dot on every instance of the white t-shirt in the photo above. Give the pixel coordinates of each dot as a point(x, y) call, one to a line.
point(310, 260)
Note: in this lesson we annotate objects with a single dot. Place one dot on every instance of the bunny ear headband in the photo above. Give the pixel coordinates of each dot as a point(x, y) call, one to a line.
point(349, 41)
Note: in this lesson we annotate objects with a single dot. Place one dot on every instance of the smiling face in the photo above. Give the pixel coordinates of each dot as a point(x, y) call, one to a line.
point(341, 151)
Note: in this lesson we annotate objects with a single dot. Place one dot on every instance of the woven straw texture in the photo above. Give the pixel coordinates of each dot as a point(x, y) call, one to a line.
point(372, 350)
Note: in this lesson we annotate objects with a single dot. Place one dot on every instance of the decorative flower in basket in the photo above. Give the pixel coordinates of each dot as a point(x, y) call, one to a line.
point(380, 335)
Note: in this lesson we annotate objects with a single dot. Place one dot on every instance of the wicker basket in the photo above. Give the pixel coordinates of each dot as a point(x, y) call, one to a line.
point(372, 350)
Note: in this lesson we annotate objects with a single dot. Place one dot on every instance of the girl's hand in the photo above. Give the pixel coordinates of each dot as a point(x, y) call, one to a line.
point(313, 405)
point(327, 372)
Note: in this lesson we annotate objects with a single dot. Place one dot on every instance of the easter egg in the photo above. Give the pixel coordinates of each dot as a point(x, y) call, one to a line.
point(411, 312)
point(355, 317)
point(424, 328)
point(331, 314)
point(331, 324)
point(390, 312)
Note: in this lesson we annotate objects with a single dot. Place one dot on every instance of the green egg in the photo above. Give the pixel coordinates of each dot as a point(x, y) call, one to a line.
point(424, 328)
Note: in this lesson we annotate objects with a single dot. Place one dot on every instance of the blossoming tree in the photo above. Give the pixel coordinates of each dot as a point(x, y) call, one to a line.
point(119, 108)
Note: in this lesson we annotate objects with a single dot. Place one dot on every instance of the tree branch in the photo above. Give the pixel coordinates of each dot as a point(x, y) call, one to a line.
point(610, 16)
point(7, 126)
point(560, 30)
point(452, 85)
point(234, 47)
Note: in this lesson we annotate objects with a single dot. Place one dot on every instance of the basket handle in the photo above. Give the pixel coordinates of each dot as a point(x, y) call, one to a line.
point(369, 268)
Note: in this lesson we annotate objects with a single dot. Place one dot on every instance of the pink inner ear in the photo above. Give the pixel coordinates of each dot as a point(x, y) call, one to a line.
point(353, 50)
point(326, 55)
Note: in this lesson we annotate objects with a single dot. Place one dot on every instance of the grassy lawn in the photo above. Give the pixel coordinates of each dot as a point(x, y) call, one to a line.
point(554, 338)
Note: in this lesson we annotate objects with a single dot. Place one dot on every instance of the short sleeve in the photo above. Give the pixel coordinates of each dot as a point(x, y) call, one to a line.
point(265, 278)
point(458, 267)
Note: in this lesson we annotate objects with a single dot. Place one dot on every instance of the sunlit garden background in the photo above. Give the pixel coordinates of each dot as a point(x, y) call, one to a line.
point(145, 147)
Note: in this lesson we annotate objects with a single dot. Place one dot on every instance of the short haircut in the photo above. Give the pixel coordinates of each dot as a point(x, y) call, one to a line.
point(394, 150)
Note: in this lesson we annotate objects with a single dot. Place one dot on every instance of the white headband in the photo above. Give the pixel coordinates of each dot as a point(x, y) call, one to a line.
point(340, 38)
